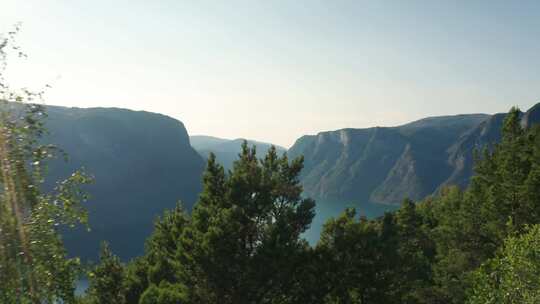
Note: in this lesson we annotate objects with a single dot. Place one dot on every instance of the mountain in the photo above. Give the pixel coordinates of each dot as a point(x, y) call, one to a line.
point(383, 165)
point(485, 134)
point(226, 150)
point(142, 162)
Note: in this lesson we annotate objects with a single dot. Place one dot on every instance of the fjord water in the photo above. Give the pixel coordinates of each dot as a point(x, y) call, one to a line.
point(326, 209)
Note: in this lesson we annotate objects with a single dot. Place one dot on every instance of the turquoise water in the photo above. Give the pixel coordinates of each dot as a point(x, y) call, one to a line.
point(327, 209)
point(324, 210)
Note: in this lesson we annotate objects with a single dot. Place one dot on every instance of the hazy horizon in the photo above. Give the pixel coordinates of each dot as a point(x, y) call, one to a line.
point(190, 134)
point(274, 71)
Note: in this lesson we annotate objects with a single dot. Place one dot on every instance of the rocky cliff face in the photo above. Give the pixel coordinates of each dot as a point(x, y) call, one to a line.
point(142, 162)
point(386, 165)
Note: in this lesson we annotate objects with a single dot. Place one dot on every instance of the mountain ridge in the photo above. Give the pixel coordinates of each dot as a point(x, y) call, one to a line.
point(142, 163)
point(133, 153)
point(227, 150)
point(384, 165)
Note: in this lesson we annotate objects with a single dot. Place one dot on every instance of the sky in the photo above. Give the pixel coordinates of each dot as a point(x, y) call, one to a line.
point(276, 70)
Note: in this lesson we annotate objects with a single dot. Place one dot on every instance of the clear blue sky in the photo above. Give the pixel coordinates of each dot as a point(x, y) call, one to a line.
point(275, 70)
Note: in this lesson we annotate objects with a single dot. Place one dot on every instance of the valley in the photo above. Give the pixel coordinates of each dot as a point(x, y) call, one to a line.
point(144, 163)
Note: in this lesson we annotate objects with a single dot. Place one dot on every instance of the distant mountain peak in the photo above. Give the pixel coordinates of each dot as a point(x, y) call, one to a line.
point(227, 150)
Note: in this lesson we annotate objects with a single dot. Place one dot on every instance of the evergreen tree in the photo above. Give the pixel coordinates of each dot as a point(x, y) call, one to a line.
point(501, 200)
point(160, 264)
point(107, 279)
point(351, 252)
point(386, 260)
point(162, 246)
point(136, 279)
point(427, 253)
point(513, 276)
point(165, 293)
point(243, 245)
point(416, 253)
point(242, 242)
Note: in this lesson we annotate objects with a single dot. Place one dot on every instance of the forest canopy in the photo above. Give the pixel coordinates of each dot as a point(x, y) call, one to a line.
point(242, 243)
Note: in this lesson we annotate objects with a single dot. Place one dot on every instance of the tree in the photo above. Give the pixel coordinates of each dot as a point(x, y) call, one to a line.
point(107, 279)
point(136, 279)
point(165, 293)
point(501, 200)
point(428, 252)
point(162, 246)
point(513, 276)
point(33, 263)
point(242, 243)
point(385, 260)
point(416, 253)
point(350, 266)
point(244, 240)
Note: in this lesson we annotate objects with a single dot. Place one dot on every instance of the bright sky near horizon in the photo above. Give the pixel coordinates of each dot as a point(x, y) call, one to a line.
point(276, 70)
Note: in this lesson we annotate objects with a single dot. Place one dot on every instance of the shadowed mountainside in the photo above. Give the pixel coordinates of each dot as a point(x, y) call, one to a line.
point(142, 162)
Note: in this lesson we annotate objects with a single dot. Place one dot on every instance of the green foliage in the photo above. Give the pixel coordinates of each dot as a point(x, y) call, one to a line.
point(162, 246)
point(107, 279)
point(33, 263)
point(251, 217)
point(226, 150)
point(427, 253)
point(386, 260)
point(136, 279)
point(352, 253)
point(240, 245)
point(242, 242)
point(165, 293)
point(501, 200)
point(513, 276)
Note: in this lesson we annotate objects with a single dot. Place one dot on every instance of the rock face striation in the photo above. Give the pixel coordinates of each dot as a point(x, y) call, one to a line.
point(386, 165)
